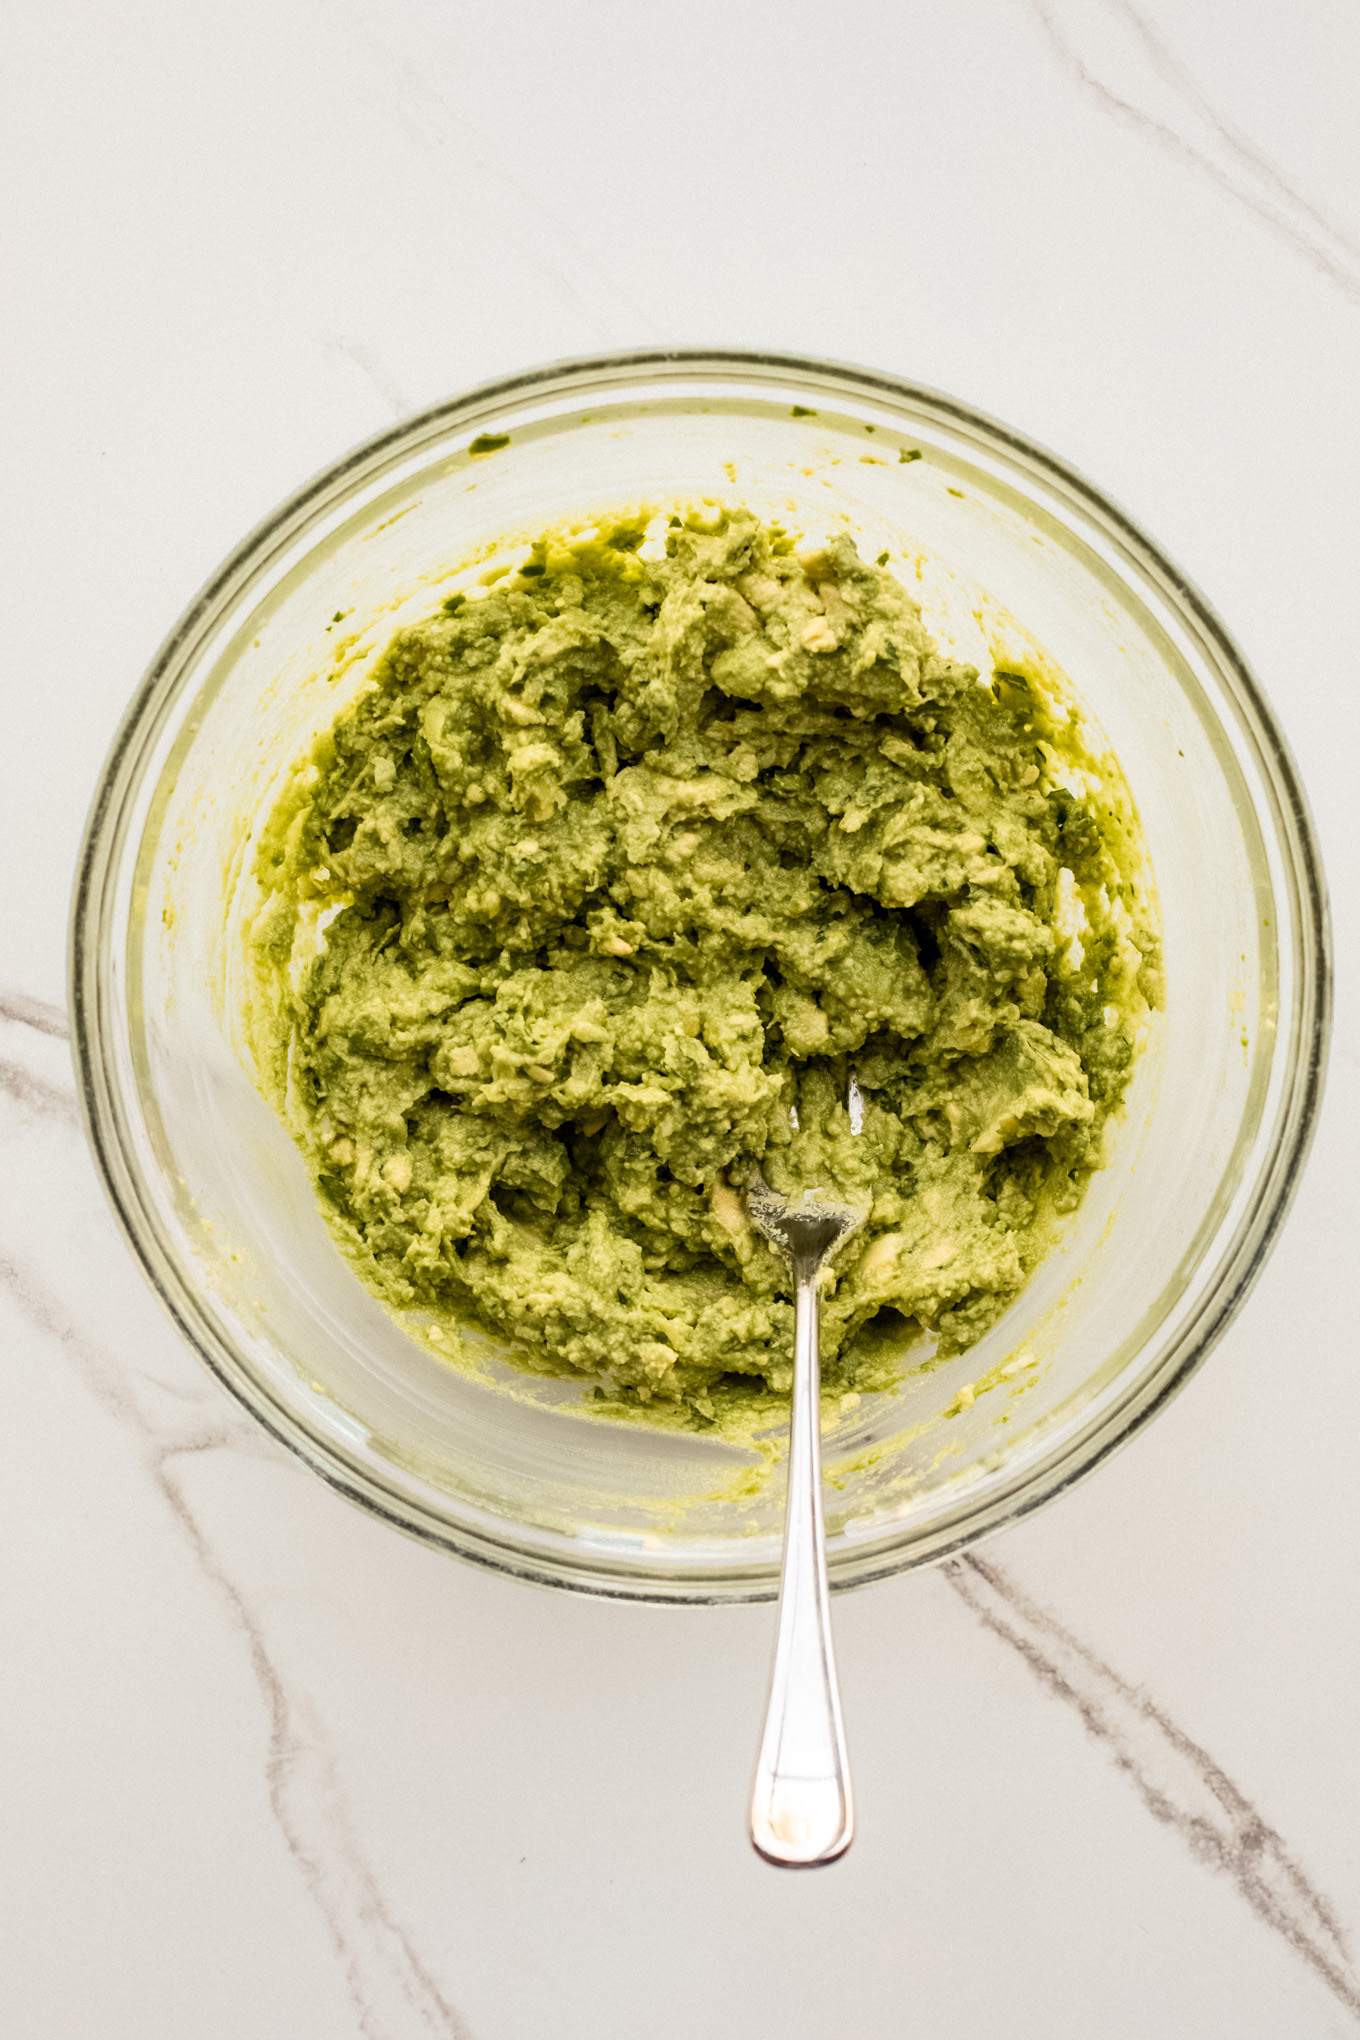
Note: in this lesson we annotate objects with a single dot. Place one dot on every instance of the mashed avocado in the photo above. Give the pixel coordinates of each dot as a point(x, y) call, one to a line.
point(637, 872)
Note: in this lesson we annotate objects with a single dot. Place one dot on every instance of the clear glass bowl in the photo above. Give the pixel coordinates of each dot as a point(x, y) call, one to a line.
point(506, 1470)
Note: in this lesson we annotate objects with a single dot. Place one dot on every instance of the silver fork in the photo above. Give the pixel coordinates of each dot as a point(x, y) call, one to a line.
point(801, 1808)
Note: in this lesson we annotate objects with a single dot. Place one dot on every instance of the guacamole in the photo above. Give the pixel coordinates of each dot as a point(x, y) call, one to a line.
point(667, 858)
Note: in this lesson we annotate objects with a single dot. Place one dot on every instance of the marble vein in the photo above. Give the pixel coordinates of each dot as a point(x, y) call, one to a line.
point(35, 1094)
point(34, 1013)
point(394, 1994)
point(392, 1990)
point(539, 234)
point(35, 1073)
point(374, 369)
point(1178, 1782)
point(1111, 49)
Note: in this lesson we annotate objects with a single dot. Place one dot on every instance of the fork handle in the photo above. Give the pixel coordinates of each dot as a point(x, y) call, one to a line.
point(801, 1810)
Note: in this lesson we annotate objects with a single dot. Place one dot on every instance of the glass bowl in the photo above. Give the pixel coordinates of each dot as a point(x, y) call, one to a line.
point(509, 1470)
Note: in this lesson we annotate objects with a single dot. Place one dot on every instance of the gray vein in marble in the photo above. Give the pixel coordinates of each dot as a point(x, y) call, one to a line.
point(539, 233)
point(34, 1013)
point(34, 1094)
point(1178, 1782)
point(371, 365)
point(393, 1993)
point(1141, 74)
point(38, 1093)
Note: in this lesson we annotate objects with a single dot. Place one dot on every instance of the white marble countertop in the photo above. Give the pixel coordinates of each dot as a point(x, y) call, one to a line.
point(268, 1769)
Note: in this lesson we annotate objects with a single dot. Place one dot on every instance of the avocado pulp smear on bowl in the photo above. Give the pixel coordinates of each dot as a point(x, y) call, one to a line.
point(676, 852)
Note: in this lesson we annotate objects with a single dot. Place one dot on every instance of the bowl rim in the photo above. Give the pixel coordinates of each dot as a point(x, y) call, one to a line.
point(1076, 1454)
